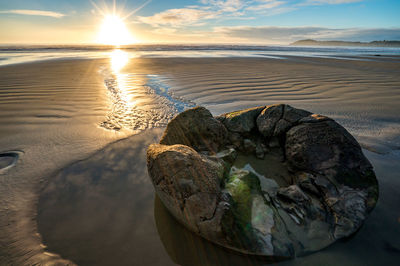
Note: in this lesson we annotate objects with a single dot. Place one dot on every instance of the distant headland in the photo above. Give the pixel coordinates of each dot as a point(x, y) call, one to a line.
point(310, 42)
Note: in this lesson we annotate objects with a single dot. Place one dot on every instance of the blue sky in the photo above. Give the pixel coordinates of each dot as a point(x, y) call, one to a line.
point(202, 21)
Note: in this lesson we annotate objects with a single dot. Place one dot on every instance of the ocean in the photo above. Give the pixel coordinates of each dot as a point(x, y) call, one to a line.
point(13, 54)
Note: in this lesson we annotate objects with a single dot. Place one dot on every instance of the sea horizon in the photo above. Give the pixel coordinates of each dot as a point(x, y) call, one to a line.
point(23, 53)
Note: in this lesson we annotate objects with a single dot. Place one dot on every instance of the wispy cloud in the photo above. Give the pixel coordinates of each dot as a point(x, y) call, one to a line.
point(33, 13)
point(222, 9)
point(206, 10)
point(330, 2)
point(265, 4)
point(178, 17)
point(227, 5)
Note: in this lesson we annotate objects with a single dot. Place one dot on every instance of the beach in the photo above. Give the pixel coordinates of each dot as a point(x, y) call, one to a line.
point(79, 191)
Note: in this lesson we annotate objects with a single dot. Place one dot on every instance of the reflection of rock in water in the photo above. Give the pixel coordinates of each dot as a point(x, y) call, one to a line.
point(186, 248)
point(100, 210)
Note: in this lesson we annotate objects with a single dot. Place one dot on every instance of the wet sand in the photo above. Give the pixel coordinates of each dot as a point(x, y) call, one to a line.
point(49, 115)
point(91, 203)
point(103, 211)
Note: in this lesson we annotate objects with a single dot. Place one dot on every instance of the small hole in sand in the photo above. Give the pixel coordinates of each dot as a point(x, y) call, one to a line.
point(7, 160)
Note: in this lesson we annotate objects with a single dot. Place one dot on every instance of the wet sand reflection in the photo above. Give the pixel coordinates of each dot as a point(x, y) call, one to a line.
point(137, 101)
point(102, 210)
point(188, 249)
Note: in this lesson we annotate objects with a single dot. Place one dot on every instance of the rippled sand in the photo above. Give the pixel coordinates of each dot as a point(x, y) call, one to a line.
point(49, 114)
point(361, 95)
point(55, 113)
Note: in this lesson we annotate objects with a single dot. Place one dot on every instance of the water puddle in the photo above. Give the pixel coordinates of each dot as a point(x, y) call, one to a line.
point(270, 170)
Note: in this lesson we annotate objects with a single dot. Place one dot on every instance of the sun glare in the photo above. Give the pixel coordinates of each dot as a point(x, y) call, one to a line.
point(113, 31)
point(118, 60)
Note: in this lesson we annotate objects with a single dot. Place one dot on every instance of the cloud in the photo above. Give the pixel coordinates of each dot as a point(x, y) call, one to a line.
point(265, 4)
point(178, 17)
point(33, 13)
point(164, 31)
point(330, 2)
point(206, 10)
point(290, 34)
point(227, 5)
point(233, 9)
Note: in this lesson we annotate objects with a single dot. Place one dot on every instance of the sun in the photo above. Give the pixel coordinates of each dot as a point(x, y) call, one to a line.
point(113, 31)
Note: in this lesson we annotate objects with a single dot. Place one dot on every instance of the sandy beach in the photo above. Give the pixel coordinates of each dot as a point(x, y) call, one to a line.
point(79, 190)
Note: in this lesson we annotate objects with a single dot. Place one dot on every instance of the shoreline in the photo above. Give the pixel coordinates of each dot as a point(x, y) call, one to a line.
point(49, 56)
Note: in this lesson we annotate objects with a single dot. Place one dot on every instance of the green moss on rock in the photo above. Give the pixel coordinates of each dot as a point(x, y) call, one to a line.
point(243, 186)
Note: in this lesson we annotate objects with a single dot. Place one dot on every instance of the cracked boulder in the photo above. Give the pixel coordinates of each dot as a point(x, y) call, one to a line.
point(271, 181)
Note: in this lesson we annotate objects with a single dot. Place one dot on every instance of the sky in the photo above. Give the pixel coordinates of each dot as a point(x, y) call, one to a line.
point(200, 21)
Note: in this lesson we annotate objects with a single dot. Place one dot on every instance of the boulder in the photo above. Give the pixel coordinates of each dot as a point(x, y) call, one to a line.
point(242, 121)
point(270, 181)
point(187, 182)
point(268, 119)
point(277, 119)
point(325, 147)
point(196, 128)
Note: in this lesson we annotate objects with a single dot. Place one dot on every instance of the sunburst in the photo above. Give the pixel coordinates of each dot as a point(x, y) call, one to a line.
point(113, 29)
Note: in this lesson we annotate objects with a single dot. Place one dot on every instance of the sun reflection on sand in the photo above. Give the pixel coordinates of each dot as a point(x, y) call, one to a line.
point(137, 101)
point(119, 59)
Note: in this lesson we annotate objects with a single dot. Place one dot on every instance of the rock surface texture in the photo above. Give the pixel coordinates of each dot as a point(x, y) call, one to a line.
point(271, 180)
